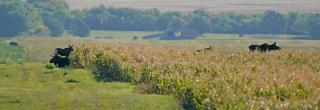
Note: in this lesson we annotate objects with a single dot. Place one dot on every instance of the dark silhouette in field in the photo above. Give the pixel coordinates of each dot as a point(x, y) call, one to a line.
point(274, 47)
point(61, 56)
point(64, 52)
point(264, 47)
point(207, 48)
point(13, 43)
point(60, 61)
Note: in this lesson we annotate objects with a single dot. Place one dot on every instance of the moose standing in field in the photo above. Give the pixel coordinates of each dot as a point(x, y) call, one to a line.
point(264, 47)
point(205, 49)
point(61, 56)
point(64, 52)
point(60, 61)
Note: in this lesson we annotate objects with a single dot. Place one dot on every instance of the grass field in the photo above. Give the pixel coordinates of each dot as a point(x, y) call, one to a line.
point(10, 54)
point(28, 82)
point(226, 77)
point(216, 6)
point(39, 49)
point(120, 35)
point(35, 87)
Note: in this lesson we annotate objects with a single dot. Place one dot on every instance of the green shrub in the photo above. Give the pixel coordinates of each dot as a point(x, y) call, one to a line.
point(72, 81)
point(135, 38)
point(50, 66)
point(106, 68)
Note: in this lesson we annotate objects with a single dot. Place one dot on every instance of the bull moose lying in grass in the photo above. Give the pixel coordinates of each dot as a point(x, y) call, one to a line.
point(264, 47)
point(61, 56)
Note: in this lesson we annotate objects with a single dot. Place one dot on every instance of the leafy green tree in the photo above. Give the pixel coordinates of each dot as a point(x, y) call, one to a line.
point(97, 17)
point(296, 23)
point(16, 18)
point(201, 24)
point(272, 23)
point(172, 19)
point(53, 12)
point(55, 26)
point(221, 24)
point(56, 8)
point(78, 27)
point(314, 23)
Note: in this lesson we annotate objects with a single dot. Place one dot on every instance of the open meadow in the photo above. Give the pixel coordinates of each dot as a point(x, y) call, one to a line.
point(228, 76)
point(38, 85)
point(159, 55)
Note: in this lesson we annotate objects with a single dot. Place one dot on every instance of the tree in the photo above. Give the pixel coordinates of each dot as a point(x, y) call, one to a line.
point(16, 18)
point(56, 8)
point(172, 19)
point(200, 23)
point(53, 12)
point(272, 23)
point(314, 29)
point(78, 27)
point(221, 24)
point(55, 26)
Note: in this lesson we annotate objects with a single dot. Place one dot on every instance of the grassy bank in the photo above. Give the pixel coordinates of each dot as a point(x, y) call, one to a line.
point(10, 54)
point(38, 87)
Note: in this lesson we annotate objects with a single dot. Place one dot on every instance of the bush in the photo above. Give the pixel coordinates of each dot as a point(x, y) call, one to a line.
point(106, 68)
point(50, 66)
point(17, 18)
point(135, 38)
point(72, 81)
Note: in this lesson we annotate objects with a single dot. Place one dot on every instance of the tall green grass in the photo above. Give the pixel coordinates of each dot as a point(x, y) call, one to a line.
point(40, 87)
point(10, 54)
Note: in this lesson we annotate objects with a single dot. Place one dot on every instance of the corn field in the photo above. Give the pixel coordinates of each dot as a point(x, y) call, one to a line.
point(212, 79)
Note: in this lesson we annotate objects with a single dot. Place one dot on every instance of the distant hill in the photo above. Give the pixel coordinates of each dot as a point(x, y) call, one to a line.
point(245, 6)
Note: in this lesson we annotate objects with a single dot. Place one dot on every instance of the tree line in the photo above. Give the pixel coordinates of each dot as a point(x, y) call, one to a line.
point(39, 17)
point(55, 18)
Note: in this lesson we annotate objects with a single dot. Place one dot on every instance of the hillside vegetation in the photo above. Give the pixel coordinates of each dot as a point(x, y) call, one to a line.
point(10, 54)
point(40, 87)
point(226, 77)
point(212, 79)
point(55, 18)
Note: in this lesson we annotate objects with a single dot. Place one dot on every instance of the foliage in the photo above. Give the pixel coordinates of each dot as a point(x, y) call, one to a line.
point(78, 27)
point(16, 18)
point(50, 66)
point(105, 68)
point(272, 22)
point(54, 25)
point(24, 86)
point(269, 22)
point(29, 17)
point(51, 8)
point(11, 54)
point(217, 79)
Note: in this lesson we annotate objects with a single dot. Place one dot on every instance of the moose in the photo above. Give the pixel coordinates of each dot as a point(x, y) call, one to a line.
point(61, 56)
point(60, 61)
point(64, 52)
point(207, 48)
point(264, 47)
